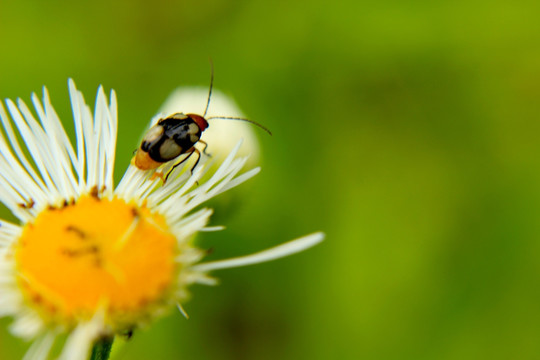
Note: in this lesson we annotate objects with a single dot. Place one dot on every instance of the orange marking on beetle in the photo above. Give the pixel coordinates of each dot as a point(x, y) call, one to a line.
point(143, 161)
point(199, 120)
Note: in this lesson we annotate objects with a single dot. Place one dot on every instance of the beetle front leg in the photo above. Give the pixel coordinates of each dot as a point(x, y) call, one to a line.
point(205, 146)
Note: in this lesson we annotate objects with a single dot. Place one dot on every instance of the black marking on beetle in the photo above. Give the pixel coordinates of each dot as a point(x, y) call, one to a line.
point(177, 130)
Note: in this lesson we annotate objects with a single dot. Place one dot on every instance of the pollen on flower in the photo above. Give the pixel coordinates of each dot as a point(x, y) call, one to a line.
point(96, 253)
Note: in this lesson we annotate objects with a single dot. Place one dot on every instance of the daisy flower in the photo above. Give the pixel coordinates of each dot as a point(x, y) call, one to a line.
point(89, 259)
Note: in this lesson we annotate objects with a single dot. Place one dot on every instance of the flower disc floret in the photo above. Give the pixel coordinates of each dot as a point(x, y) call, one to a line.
point(97, 252)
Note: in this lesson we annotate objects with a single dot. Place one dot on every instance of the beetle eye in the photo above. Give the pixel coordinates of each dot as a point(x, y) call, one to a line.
point(169, 150)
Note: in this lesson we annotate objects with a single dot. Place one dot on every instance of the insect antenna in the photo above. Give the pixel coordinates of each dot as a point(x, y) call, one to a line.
point(240, 119)
point(211, 86)
point(225, 117)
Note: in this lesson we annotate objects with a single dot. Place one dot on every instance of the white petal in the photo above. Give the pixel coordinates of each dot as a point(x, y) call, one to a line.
point(41, 347)
point(77, 118)
point(80, 341)
point(182, 310)
point(212, 228)
point(289, 248)
point(27, 325)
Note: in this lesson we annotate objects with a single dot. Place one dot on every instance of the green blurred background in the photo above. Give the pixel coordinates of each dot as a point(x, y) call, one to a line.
point(407, 131)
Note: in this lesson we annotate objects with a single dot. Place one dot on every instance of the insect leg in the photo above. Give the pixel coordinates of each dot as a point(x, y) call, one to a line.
point(205, 146)
point(189, 153)
point(196, 162)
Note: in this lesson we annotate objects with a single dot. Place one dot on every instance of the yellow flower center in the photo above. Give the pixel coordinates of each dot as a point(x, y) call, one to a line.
point(97, 253)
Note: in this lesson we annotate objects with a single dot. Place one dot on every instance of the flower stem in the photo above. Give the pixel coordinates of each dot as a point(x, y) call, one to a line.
point(102, 348)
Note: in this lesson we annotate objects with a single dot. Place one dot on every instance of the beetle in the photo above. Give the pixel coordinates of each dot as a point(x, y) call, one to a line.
point(177, 135)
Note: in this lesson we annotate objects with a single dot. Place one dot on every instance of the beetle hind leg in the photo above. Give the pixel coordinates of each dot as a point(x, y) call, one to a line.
point(189, 153)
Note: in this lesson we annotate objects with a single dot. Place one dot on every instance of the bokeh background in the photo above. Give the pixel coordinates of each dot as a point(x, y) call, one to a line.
point(407, 131)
